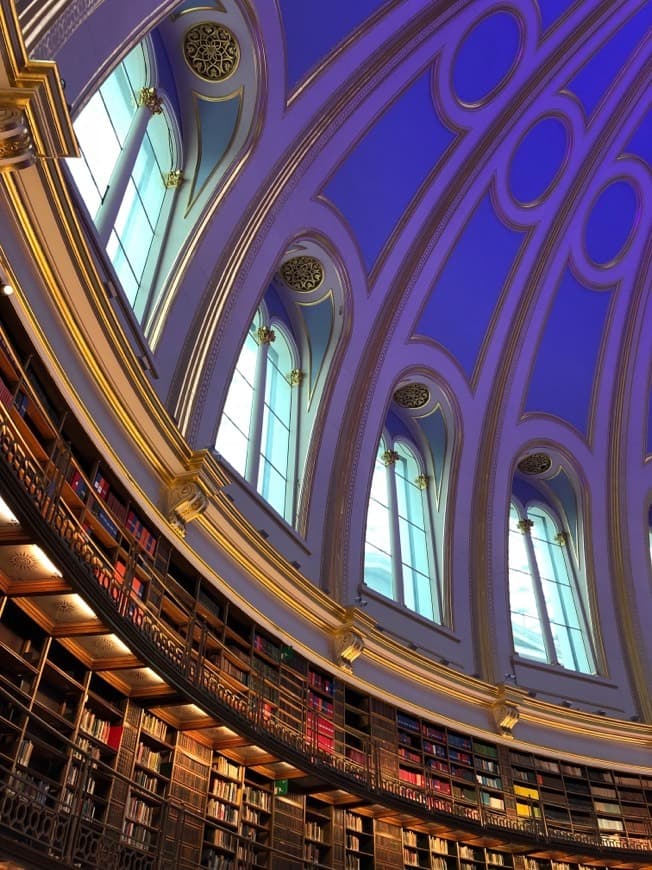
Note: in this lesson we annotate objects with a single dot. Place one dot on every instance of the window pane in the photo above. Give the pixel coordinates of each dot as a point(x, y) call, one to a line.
point(378, 572)
point(119, 100)
point(234, 430)
point(148, 178)
point(561, 597)
point(273, 476)
point(527, 631)
point(97, 141)
point(134, 230)
point(528, 637)
point(122, 267)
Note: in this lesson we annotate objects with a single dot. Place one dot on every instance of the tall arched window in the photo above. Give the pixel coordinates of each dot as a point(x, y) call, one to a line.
point(399, 559)
point(257, 431)
point(125, 170)
point(548, 615)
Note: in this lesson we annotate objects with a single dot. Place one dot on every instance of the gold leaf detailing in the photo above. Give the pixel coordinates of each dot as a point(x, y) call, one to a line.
point(174, 178)
point(295, 377)
point(149, 98)
point(303, 273)
point(535, 463)
point(413, 395)
point(265, 335)
point(212, 51)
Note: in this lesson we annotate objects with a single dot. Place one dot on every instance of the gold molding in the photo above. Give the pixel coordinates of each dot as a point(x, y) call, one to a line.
point(34, 87)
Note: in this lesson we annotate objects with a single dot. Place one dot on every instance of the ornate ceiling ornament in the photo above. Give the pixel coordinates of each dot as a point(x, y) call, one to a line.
point(22, 561)
point(535, 463)
point(303, 273)
point(412, 395)
point(211, 51)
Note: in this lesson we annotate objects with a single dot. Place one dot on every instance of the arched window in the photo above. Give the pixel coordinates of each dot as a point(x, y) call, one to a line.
point(399, 559)
point(547, 611)
point(257, 431)
point(125, 170)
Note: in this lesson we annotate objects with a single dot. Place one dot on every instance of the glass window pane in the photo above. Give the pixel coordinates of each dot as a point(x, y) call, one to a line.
point(98, 141)
point(272, 486)
point(148, 178)
point(122, 267)
point(378, 571)
point(119, 100)
point(134, 230)
point(528, 637)
point(234, 430)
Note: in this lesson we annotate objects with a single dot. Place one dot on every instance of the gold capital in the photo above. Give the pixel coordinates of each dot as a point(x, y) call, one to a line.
point(562, 538)
point(295, 377)
point(390, 457)
point(422, 481)
point(149, 98)
point(265, 335)
point(174, 178)
point(525, 525)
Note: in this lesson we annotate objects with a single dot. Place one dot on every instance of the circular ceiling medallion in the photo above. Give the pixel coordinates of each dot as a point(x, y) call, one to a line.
point(302, 273)
point(212, 51)
point(412, 395)
point(535, 463)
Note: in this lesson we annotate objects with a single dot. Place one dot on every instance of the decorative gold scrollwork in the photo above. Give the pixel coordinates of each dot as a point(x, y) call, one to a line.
point(149, 98)
point(535, 463)
point(413, 395)
point(211, 51)
point(303, 273)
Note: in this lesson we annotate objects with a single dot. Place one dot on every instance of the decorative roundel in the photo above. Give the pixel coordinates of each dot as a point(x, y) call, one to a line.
point(212, 51)
point(412, 395)
point(535, 463)
point(302, 273)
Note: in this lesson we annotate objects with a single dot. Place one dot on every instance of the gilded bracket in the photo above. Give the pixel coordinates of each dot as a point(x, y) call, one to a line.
point(506, 715)
point(349, 638)
point(188, 496)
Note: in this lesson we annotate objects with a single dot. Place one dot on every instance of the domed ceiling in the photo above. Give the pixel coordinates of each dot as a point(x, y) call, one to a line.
point(478, 179)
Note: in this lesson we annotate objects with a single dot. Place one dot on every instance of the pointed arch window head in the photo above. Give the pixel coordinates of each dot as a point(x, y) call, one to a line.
point(399, 548)
point(258, 428)
point(548, 615)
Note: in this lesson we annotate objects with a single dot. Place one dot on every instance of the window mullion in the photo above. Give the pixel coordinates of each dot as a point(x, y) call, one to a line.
point(256, 424)
point(395, 532)
point(579, 604)
point(115, 193)
point(548, 640)
point(423, 483)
